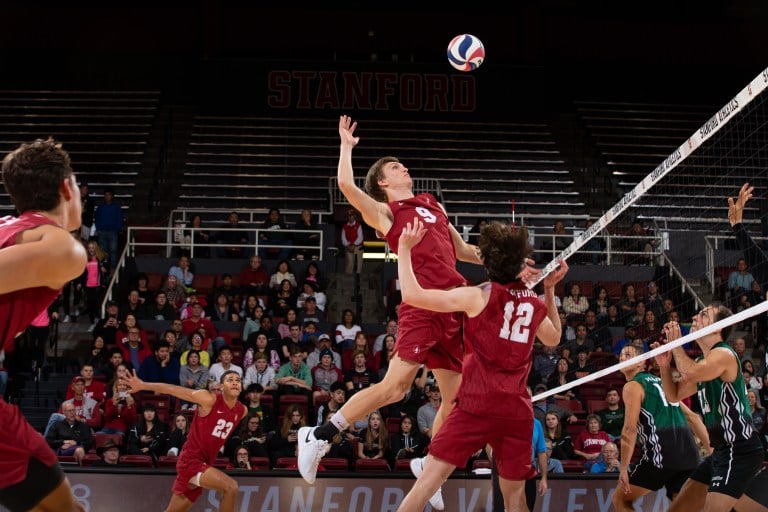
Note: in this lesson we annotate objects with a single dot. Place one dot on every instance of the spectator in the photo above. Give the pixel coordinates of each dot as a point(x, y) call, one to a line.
point(385, 355)
point(310, 289)
point(600, 303)
point(227, 287)
point(131, 306)
point(323, 342)
point(198, 345)
point(306, 222)
point(96, 279)
point(347, 330)
point(589, 443)
point(312, 274)
point(182, 272)
point(254, 279)
point(178, 435)
point(740, 347)
point(612, 417)
point(251, 437)
point(161, 367)
point(88, 207)
point(233, 239)
point(359, 377)
point(336, 401)
point(570, 349)
point(222, 310)
point(120, 405)
point(558, 437)
point(739, 282)
point(283, 299)
point(758, 413)
point(311, 313)
point(600, 335)
point(240, 460)
point(73, 289)
point(200, 237)
point(109, 454)
point(294, 339)
point(94, 389)
point(324, 375)
point(286, 442)
point(160, 309)
point(269, 235)
point(146, 296)
point(294, 377)
point(260, 373)
point(374, 439)
point(265, 413)
point(360, 345)
point(197, 323)
point(252, 322)
point(575, 304)
point(583, 366)
point(149, 436)
point(282, 273)
point(109, 222)
point(175, 292)
point(70, 436)
point(561, 376)
point(654, 300)
point(133, 349)
point(610, 460)
point(193, 375)
point(427, 412)
point(556, 242)
point(86, 408)
point(626, 304)
point(225, 364)
point(639, 242)
point(352, 241)
point(544, 364)
point(408, 442)
point(650, 329)
point(389, 329)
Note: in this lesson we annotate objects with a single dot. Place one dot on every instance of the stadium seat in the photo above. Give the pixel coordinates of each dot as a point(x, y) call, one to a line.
point(90, 458)
point(100, 438)
point(221, 462)
point(286, 463)
point(572, 405)
point(481, 463)
point(393, 424)
point(573, 466)
point(289, 400)
point(402, 466)
point(167, 461)
point(596, 405)
point(259, 463)
point(141, 461)
point(335, 463)
point(372, 465)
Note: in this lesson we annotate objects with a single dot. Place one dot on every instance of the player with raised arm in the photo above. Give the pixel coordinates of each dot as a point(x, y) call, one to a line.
point(216, 417)
point(669, 452)
point(424, 337)
point(503, 318)
point(38, 256)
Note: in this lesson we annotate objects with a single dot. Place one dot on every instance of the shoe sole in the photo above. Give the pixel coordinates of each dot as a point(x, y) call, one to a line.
point(303, 434)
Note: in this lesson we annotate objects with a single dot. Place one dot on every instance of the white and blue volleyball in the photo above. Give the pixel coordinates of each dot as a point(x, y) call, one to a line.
point(466, 52)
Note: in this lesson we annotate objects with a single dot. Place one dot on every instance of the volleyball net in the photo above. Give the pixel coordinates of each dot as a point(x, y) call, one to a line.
point(681, 206)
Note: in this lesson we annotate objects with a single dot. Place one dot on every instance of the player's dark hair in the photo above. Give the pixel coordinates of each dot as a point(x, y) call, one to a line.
point(376, 173)
point(224, 376)
point(33, 173)
point(504, 249)
point(721, 313)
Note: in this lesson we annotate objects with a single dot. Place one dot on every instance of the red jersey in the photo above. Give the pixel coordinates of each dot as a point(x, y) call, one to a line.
point(208, 433)
point(434, 258)
point(19, 308)
point(498, 347)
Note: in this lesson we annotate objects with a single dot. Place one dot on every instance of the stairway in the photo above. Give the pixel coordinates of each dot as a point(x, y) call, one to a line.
point(362, 294)
point(37, 399)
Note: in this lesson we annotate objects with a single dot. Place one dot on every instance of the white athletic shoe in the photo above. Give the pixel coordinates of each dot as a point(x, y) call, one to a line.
point(67, 319)
point(311, 450)
point(417, 468)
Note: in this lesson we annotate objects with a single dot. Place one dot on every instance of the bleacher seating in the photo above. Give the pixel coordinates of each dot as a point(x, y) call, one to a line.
point(250, 162)
point(104, 132)
point(634, 138)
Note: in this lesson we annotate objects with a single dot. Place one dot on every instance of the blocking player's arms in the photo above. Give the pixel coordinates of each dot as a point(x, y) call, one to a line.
point(204, 398)
point(633, 396)
point(375, 213)
point(48, 255)
point(697, 426)
point(736, 207)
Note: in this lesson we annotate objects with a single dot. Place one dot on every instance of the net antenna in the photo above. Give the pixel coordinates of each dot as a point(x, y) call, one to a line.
point(741, 147)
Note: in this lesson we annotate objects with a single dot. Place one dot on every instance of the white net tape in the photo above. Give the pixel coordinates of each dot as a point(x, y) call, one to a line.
point(757, 309)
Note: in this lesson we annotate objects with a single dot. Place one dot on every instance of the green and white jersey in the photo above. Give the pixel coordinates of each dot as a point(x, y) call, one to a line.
point(663, 433)
point(725, 407)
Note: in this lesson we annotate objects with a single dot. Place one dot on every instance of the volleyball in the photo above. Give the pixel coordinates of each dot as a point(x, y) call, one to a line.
point(466, 52)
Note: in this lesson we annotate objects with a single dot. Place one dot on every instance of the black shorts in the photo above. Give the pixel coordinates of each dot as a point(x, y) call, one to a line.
point(41, 480)
point(730, 469)
point(758, 488)
point(653, 478)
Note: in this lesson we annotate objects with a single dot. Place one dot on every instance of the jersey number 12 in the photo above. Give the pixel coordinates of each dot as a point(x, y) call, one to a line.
point(517, 322)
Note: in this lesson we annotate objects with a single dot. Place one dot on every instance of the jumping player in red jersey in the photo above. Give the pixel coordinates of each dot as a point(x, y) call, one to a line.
point(503, 318)
point(38, 256)
point(424, 337)
point(218, 414)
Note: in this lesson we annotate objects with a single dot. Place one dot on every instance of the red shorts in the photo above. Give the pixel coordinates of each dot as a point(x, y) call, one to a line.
point(463, 434)
point(429, 338)
point(18, 442)
point(186, 471)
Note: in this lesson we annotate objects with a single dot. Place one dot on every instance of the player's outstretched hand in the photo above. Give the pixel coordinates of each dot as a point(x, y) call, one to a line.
point(665, 358)
point(556, 275)
point(133, 382)
point(736, 207)
point(347, 131)
point(412, 234)
point(529, 274)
